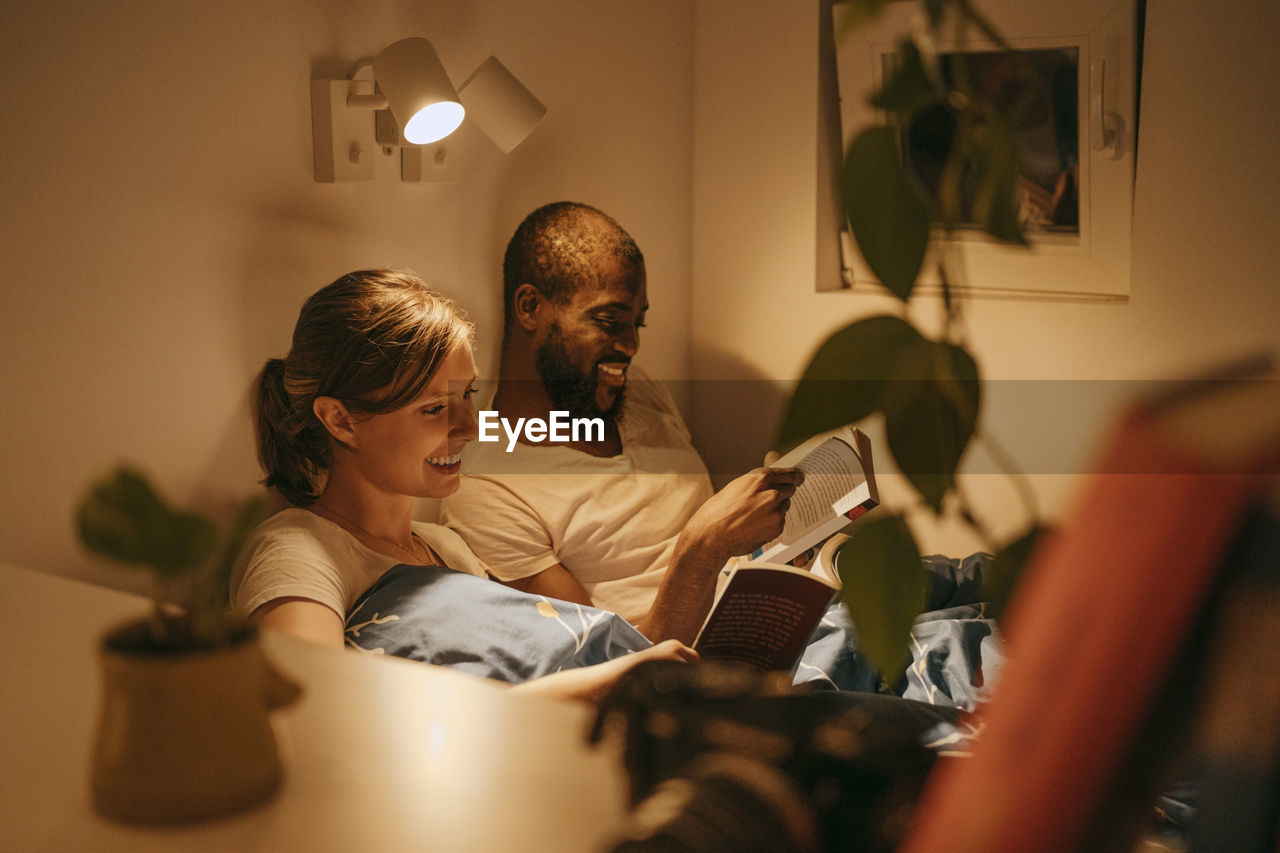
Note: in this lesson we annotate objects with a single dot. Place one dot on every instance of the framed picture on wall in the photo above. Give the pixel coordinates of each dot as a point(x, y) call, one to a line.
point(1077, 140)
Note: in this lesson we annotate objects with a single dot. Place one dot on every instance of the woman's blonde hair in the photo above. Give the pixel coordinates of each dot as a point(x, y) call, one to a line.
point(372, 339)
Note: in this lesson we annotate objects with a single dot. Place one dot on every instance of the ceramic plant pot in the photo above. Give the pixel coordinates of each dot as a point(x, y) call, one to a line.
point(185, 735)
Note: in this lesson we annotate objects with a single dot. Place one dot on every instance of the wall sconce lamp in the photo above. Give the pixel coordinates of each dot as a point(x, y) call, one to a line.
point(414, 104)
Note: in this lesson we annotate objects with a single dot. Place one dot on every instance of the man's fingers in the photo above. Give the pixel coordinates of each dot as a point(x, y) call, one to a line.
point(782, 484)
point(774, 477)
point(785, 490)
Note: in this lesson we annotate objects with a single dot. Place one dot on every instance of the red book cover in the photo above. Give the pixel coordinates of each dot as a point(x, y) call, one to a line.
point(1092, 633)
point(764, 615)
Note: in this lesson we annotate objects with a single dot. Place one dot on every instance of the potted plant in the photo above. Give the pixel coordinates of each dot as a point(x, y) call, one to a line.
point(927, 389)
point(183, 732)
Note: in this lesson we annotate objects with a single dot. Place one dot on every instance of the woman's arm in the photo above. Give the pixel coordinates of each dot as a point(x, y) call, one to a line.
point(309, 620)
point(302, 618)
point(591, 683)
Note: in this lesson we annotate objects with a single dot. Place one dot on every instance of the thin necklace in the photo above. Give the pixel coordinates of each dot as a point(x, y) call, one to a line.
point(413, 537)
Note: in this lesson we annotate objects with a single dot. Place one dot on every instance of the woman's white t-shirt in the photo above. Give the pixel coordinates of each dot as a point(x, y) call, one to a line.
point(297, 554)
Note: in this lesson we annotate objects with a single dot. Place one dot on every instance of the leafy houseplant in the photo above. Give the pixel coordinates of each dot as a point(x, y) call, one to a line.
point(121, 517)
point(927, 389)
point(183, 732)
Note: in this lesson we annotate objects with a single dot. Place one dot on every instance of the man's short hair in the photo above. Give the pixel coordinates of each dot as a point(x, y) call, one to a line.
point(558, 249)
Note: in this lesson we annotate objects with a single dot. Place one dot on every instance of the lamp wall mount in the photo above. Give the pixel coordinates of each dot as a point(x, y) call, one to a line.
point(413, 105)
point(342, 138)
point(431, 164)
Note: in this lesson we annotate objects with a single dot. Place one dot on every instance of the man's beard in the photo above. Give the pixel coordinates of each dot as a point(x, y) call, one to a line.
point(568, 387)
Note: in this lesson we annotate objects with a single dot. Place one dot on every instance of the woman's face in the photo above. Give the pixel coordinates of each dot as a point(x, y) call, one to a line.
point(416, 450)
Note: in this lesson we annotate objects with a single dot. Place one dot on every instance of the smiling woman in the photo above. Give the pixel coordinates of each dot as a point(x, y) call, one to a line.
point(412, 450)
point(368, 412)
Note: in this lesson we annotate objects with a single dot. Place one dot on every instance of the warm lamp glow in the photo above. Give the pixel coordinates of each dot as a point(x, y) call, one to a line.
point(418, 90)
point(434, 122)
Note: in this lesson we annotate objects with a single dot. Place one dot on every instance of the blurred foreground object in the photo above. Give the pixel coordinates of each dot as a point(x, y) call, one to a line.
point(1170, 535)
point(719, 760)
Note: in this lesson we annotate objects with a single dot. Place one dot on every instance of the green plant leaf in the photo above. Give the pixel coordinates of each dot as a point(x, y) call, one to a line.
point(951, 185)
point(1001, 578)
point(860, 12)
point(888, 211)
point(121, 517)
point(883, 583)
point(931, 404)
point(909, 89)
point(843, 382)
point(249, 514)
point(997, 201)
point(189, 542)
point(209, 600)
point(934, 10)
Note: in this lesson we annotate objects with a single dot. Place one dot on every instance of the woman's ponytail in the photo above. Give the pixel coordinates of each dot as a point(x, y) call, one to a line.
point(293, 455)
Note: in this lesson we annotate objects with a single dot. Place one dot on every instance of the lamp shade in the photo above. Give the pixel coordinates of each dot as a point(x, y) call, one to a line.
point(500, 104)
point(418, 90)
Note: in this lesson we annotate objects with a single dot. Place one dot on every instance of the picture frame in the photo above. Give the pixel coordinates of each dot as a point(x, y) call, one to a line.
point(1084, 256)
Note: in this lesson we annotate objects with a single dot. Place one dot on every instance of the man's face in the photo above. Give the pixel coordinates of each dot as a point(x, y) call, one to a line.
point(590, 341)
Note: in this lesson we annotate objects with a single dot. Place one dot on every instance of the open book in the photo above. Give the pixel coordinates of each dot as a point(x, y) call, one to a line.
point(764, 612)
point(839, 485)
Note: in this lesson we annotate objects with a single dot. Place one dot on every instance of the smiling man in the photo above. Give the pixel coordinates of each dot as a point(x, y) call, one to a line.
point(623, 517)
point(575, 298)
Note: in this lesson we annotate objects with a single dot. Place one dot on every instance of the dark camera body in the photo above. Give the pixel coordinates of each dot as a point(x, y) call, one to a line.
point(720, 759)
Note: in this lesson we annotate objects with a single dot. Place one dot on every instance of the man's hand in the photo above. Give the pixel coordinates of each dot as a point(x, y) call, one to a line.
point(745, 514)
point(739, 518)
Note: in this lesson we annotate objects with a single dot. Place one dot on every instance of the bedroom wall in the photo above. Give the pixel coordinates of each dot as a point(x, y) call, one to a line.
point(161, 227)
point(1204, 247)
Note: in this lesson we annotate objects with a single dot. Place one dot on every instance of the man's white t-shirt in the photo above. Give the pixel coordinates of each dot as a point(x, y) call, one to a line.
point(611, 522)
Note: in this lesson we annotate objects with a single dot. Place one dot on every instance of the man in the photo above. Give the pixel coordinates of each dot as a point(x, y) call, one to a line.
point(622, 517)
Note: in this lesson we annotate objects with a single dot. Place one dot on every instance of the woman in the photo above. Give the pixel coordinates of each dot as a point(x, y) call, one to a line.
point(369, 412)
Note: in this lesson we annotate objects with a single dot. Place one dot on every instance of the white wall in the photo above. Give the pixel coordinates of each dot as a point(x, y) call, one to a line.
point(160, 225)
point(1204, 245)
